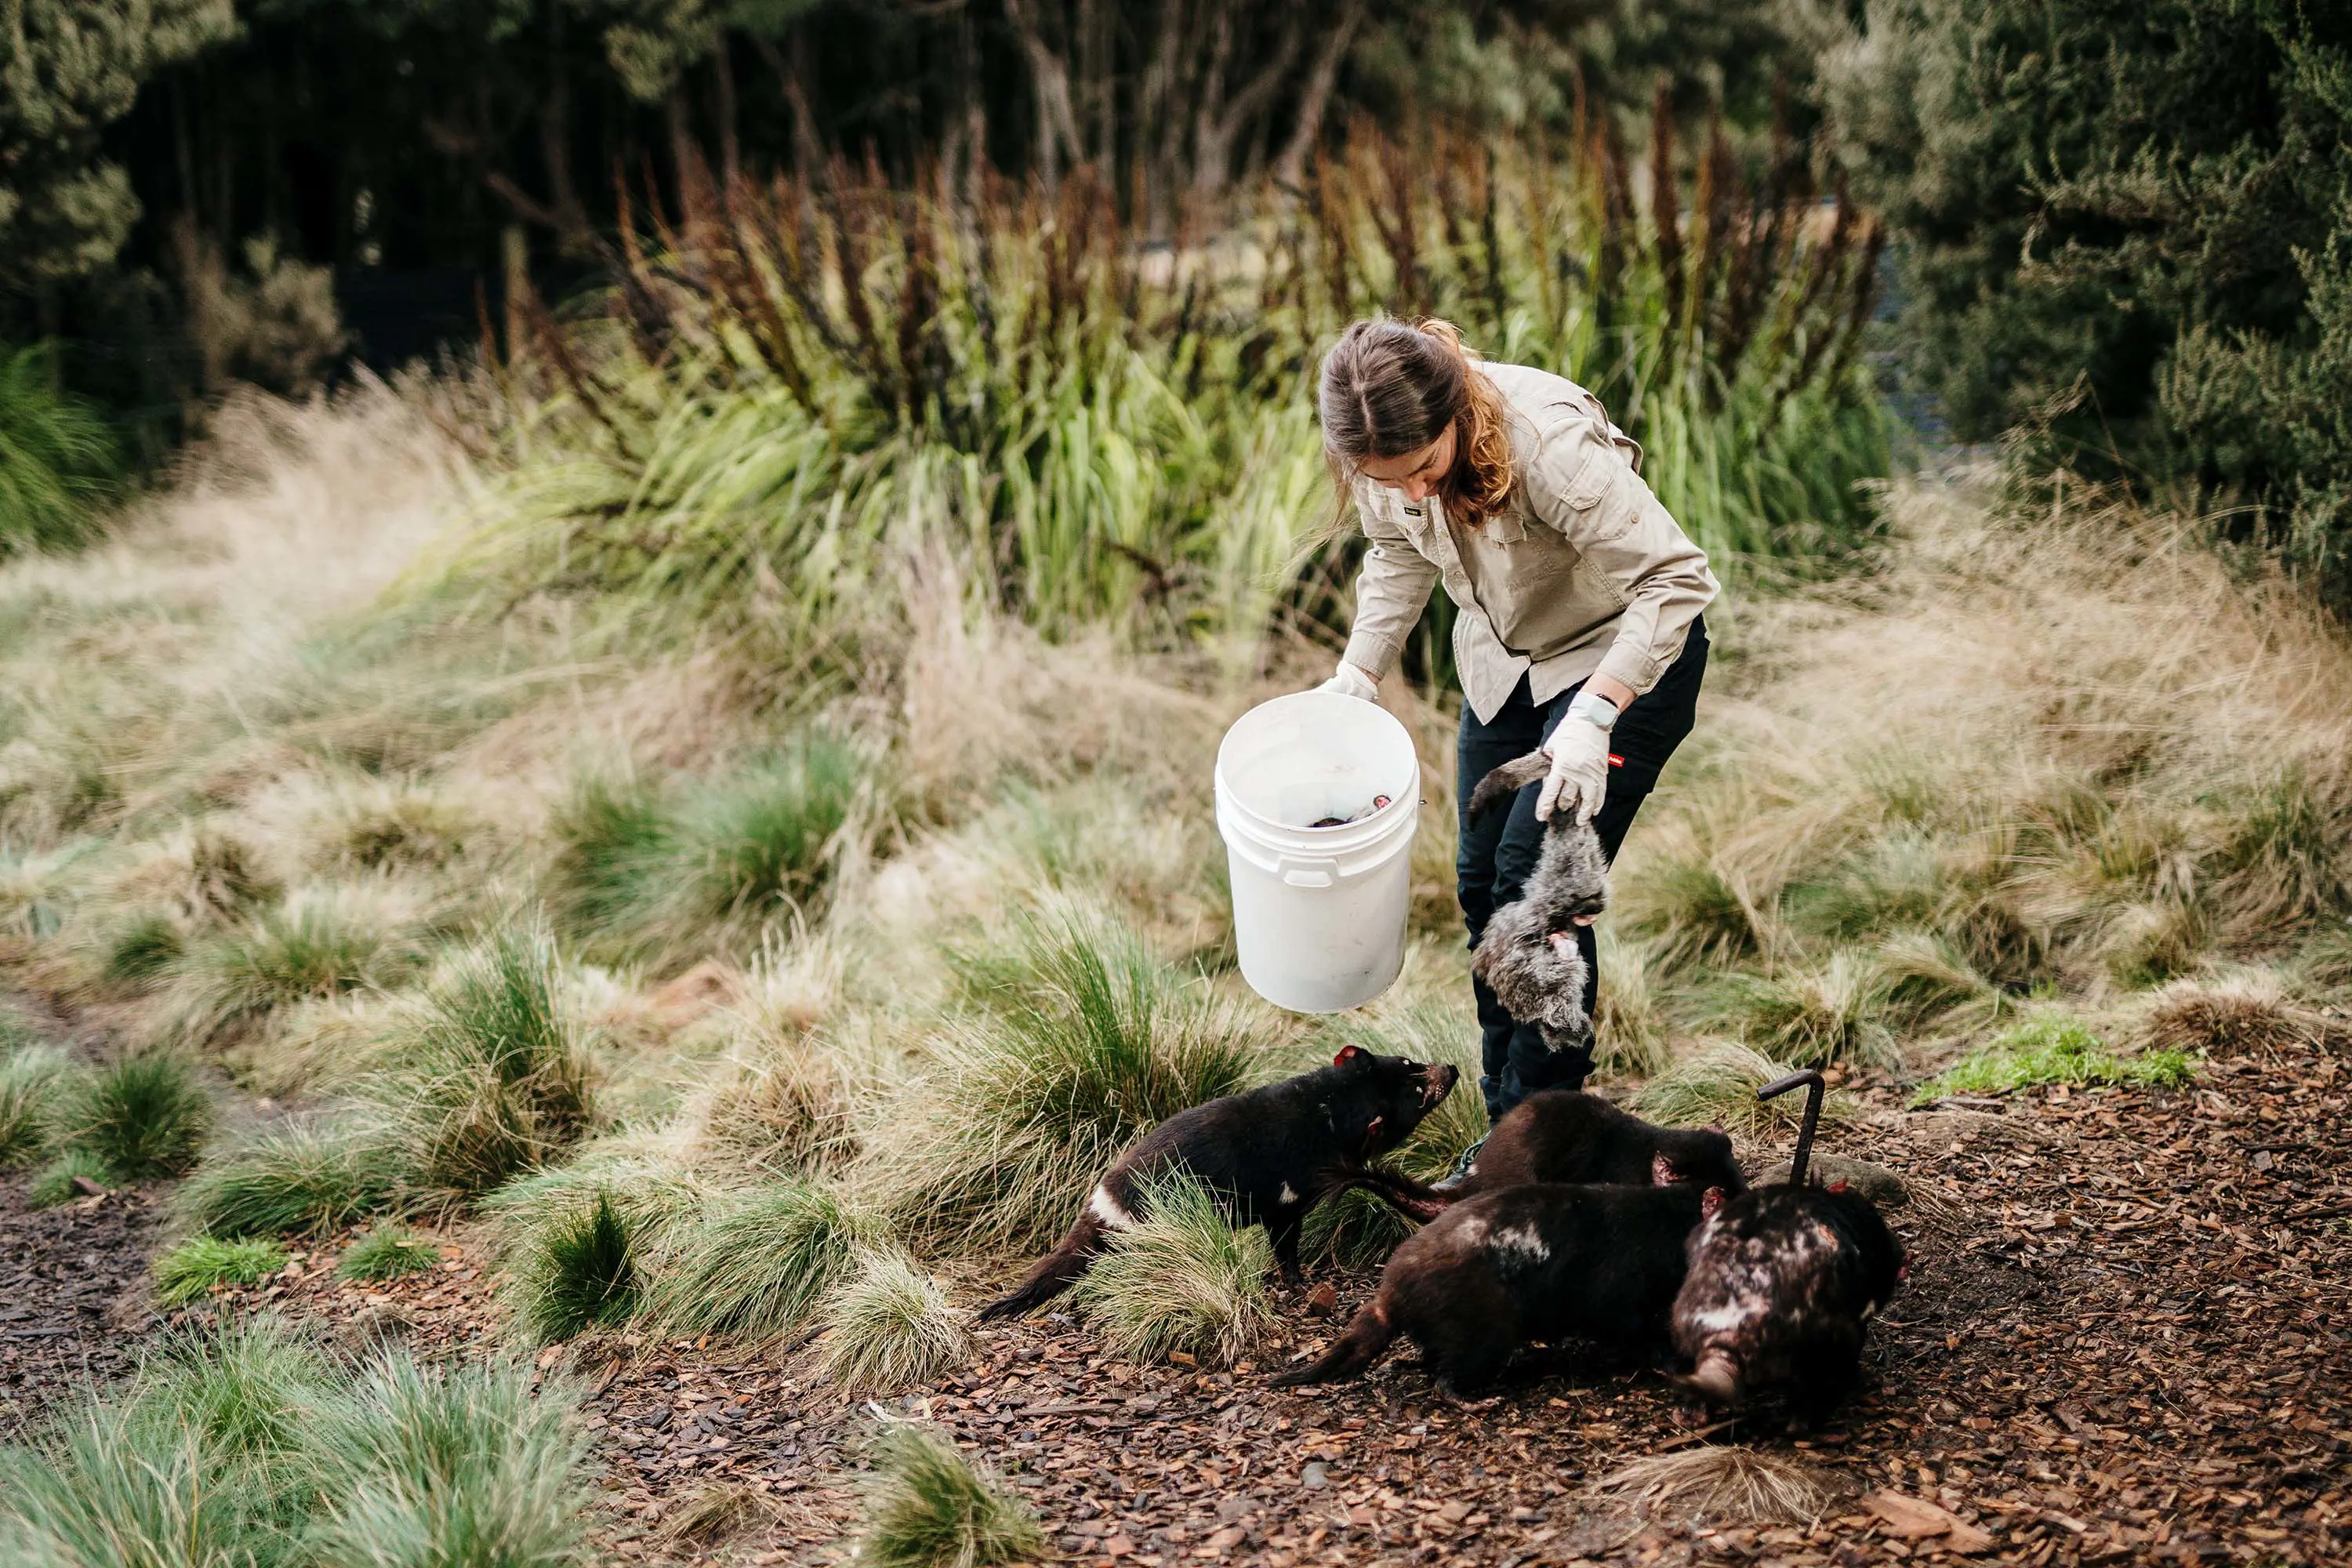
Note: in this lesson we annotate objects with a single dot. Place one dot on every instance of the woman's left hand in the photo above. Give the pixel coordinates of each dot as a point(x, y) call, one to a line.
point(1578, 750)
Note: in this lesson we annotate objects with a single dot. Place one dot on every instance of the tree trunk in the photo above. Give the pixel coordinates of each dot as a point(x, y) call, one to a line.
point(1290, 168)
point(731, 149)
point(1217, 128)
point(1162, 81)
point(1057, 123)
point(791, 76)
point(574, 231)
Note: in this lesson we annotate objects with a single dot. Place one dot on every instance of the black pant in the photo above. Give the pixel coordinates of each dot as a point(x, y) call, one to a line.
point(1498, 855)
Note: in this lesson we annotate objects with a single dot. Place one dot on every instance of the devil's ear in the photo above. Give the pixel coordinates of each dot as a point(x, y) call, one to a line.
point(1718, 1129)
point(1837, 1187)
point(1349, 1055)
point(1711, 1200)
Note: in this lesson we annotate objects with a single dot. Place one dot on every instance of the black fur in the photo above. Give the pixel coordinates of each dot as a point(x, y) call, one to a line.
point(1780, 1288)
point(1270, 1154)
point(1566, 1135)
point(1531, 1263)
point(1528, 952)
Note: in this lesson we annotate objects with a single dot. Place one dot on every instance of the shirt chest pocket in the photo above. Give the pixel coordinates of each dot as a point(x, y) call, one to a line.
point(1604, 496)
point(1537, 589)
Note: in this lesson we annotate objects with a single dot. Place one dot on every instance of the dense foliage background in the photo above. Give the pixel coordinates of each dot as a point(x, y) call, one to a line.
point(2129, 226)
point(2117, 229)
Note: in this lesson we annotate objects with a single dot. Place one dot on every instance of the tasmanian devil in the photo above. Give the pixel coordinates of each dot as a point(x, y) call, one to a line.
point(1270, 1154)
point(1532, 1263)
point(1566, 1135)
point(1782, 1281)
point(1528, 952)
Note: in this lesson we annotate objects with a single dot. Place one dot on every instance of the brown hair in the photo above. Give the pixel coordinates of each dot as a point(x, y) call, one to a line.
point(1389, 389)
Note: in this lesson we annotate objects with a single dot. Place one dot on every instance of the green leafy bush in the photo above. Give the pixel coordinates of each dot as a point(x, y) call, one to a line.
point(2130, 232)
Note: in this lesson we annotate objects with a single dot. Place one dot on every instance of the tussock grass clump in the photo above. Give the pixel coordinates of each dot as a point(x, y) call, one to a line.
point(785, 1110)
point(59, 1181)
point(200, 1262)
point(142, 1116)
point(1691, 910)
point(657, 1196)
point(649, 874)
point(33, 1082)
point(926, 1506)
point(242, 1446)
point(295, 1177)
point(142, 949)
point(113, 1487)
point(2242, 1014)
point(2053, 1049)
point(1081, 1042)
point(1836, 1012)
point(889, 1326)
point(578, 1272)
point(386, 1252)
point(432, 1468)
point(247, 1384)
point(1715, 1085)
point(1723, 1486)
point(318, 944)
point(756, 1267)
point(492, 1074)
point(1632, 1029)
point(384, 826)
point(1183, 1280)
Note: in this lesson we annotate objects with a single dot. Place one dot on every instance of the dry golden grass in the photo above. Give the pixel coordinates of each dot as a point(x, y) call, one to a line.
point(1722, 1486)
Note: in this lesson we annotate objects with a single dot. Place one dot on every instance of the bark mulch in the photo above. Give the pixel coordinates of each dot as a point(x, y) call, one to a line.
point(73, 1295)
point(2124, 1339)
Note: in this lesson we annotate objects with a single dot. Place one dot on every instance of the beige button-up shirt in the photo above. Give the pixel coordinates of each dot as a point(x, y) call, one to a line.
point(1582, 570)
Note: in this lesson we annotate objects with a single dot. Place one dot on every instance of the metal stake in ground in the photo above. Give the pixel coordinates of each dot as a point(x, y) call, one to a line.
point(1816, 1087)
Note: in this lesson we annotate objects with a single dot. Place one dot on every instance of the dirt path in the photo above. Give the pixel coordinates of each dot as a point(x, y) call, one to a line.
point(2125, 1338)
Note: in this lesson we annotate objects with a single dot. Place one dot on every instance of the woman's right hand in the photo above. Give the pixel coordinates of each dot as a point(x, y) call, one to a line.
point(1349, 681)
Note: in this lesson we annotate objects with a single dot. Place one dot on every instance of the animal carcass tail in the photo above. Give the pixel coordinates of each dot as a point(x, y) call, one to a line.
point(1350, 1354)
point(1414, 1200)
point(1498, 786)
point(1053, 1273)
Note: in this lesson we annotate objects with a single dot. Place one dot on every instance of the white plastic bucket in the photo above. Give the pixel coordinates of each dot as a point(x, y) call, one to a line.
point(1318, 912)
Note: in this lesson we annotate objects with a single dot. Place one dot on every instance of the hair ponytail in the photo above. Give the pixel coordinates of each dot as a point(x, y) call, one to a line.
point(1389, 389)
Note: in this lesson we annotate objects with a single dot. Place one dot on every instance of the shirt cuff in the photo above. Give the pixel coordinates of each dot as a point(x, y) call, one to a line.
point(1638, 671)
point(1374, 654)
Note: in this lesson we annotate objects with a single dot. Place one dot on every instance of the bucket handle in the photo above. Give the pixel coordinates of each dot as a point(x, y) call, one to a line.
point(1317, 873)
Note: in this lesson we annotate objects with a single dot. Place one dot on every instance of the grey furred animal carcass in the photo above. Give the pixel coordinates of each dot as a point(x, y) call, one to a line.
point(1528, 954)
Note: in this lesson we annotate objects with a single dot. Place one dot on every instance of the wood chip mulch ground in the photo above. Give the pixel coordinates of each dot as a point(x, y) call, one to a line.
point(73, 1291)
point(2126, 1338)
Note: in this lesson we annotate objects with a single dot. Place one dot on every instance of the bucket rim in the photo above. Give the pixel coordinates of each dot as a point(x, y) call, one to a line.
point(1324, 839)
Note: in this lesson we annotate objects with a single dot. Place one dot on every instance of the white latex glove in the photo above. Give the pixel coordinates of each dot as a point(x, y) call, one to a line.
point(1578, 750)
point(1349, 681)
